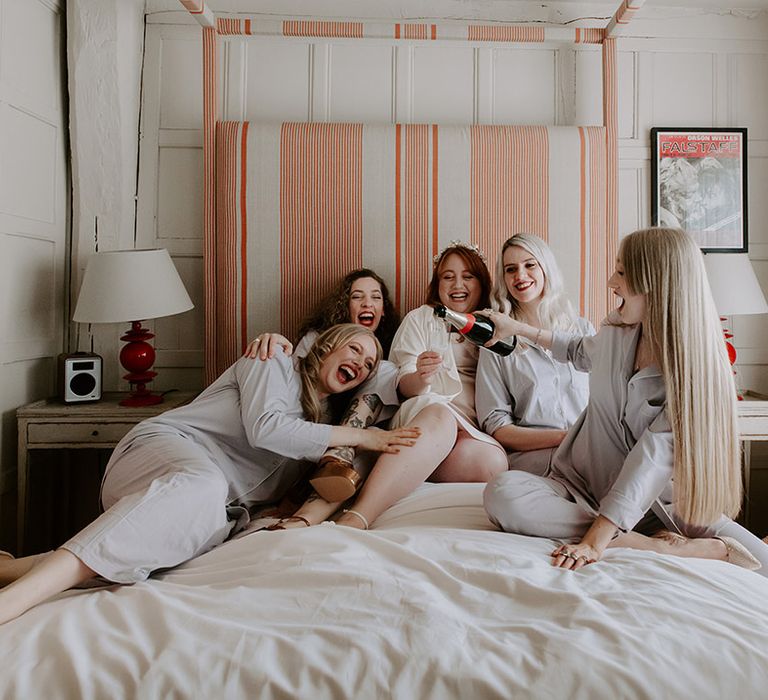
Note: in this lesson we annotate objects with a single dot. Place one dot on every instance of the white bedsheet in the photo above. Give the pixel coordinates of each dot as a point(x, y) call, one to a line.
point(432, 603)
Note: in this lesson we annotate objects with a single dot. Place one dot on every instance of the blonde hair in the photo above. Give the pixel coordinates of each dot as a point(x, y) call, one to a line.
point(309, 365)
point(684, 332)
point(555, 309)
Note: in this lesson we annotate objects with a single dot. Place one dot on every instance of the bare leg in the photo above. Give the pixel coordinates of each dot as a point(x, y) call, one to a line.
point(471, 460)
point(315, 509)
point(55, 573)
point(396, 475)
point(12, 569)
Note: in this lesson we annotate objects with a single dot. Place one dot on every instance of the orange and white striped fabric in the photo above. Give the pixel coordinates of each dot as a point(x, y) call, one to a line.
point(299, 205)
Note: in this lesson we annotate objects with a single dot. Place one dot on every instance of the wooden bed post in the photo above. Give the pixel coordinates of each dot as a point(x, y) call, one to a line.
point(207, 21)
point(617, 24)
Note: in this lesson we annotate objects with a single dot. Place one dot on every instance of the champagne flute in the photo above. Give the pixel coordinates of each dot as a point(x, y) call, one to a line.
point(438, 337)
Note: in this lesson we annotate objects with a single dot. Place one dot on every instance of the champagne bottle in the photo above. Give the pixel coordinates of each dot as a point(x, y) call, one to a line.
point(475, 327)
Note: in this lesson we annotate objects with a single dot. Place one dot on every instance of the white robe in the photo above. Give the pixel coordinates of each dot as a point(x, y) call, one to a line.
point(411, 339)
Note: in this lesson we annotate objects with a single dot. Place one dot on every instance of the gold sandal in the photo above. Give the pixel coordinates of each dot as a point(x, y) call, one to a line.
point(335, 480)
point(280, 524)
point(738, 554)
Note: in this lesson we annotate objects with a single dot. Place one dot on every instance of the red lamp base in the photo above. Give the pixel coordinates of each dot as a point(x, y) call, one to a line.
point(137, 357)
point(731, 355)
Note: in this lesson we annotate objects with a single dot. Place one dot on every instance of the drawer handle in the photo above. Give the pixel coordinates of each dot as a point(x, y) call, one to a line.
point(95, 433)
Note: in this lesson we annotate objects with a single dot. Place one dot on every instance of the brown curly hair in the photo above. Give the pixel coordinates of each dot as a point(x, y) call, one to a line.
point(334, 309)
point(474, 264)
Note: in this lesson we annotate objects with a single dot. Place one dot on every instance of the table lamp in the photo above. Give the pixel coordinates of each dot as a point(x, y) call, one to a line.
point(132, 285)
point(735, 289)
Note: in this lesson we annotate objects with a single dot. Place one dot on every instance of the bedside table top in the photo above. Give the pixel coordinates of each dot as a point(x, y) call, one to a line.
point(107, 406)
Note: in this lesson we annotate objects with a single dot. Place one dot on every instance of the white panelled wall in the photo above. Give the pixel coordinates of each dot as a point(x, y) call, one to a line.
point(33, 216)
point(143, 181)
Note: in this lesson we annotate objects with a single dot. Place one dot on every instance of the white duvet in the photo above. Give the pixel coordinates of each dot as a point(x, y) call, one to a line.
point(432, 603)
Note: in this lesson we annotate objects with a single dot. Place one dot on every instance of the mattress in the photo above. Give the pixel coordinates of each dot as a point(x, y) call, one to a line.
point(433, 602)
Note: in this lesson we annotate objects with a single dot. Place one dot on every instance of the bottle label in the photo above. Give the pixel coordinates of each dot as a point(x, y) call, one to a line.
point(468, 326)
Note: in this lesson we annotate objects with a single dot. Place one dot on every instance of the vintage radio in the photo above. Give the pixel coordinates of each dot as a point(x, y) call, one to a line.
point(79, 377)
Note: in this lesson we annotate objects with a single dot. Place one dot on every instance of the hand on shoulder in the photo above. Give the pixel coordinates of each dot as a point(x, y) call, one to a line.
point(266, 345)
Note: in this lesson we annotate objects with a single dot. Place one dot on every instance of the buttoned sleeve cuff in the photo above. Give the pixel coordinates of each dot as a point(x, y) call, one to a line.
point(559, 347)
point(495, 420)
point(621, 511)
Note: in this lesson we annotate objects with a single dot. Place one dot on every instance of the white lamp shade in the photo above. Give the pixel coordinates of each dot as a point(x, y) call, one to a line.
point(130, 285)
point(734, 284)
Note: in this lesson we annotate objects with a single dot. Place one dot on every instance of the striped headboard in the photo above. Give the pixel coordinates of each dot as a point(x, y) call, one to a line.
point(298, 205)
point(289, 207)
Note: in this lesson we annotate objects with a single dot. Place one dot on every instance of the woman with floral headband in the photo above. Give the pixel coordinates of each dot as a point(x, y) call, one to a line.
point(436, 377)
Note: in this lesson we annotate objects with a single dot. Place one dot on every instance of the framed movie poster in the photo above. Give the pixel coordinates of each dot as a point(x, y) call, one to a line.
point(699, 183)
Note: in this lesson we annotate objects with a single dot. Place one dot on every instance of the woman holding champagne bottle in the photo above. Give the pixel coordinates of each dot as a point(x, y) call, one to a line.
point(656, 451)
point(528, 400)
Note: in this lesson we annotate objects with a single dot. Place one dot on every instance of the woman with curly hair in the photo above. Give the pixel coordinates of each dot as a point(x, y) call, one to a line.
point(181, 483)
point(361, 297)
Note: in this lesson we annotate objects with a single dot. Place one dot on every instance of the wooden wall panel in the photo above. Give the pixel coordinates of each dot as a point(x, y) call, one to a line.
point(524, 86)
point(442, 88)
point(361, 81)
point(683, 89)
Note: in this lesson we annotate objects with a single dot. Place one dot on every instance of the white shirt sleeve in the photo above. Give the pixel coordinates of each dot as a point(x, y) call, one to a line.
point(494, 402)
point(269, 412)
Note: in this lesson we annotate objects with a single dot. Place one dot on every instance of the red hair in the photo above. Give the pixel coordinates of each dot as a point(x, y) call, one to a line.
point(474, 264)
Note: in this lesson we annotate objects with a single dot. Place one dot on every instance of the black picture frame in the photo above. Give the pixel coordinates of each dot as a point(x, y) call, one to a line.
point(699, 183)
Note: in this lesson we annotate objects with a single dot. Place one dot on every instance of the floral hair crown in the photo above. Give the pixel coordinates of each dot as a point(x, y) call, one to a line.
point(459, 244)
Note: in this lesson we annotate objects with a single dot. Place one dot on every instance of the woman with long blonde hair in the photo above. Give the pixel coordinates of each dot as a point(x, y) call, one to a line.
point(181, 483)
point(656, 451)
point(527, 400)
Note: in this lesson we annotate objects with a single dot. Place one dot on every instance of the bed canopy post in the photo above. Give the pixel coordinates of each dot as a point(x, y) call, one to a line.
point(205, 17)
point(610, 121)
point(615, 26)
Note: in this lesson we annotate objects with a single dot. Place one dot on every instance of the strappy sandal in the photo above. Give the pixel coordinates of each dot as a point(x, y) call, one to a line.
point(280, 524)
point(738, 554)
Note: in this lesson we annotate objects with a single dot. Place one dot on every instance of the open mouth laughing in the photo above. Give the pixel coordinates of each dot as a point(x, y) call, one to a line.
point(347, 373)
point(366, 318)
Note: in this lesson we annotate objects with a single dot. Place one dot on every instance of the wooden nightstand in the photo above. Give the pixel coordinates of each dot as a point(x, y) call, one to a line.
point(753, 425)
point(52, 424)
